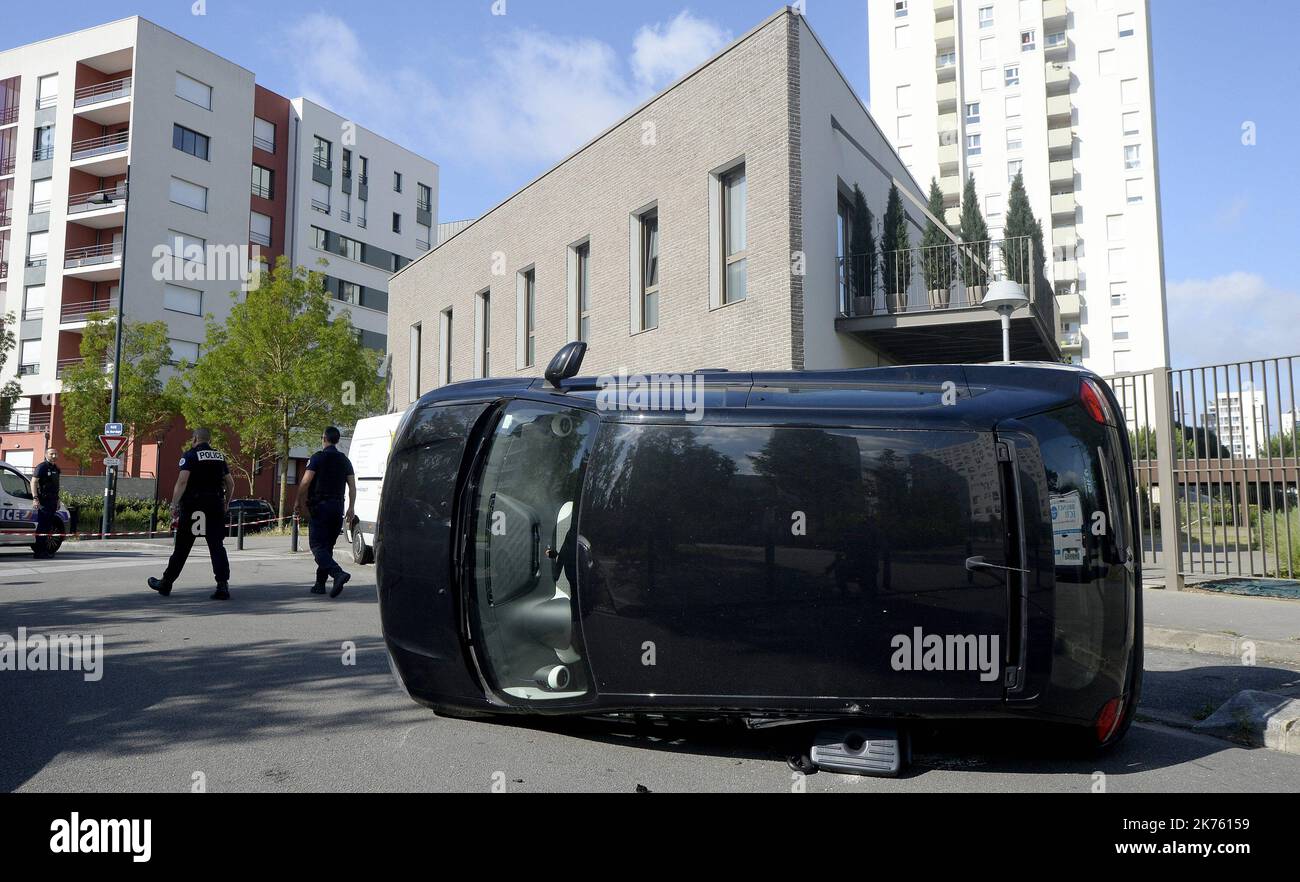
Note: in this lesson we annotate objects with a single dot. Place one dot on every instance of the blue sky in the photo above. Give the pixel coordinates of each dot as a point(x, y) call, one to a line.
point(448, 77)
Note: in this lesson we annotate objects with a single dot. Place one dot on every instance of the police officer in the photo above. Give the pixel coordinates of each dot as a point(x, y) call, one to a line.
point(47, 501)
point(199, 505)
point(320, 497)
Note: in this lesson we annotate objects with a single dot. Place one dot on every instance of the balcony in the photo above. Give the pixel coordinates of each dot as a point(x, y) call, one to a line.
point(1068, 305)
point(4, 269)
point(1056, 15)
point(94, 263)
point(1057, 78)
point(322, 207)
point(6, 218)
point(106, 104)
point(9, 115)
point(263, 144)
point(1066, 236)
point(923, 305)
point(261, 239)
point(1064, 205)
point(945, 67)
point(23, 423)
point(1061, 173)
point(1059, 110)
point(79, 313)
point(945, 34)
point(1056, 46)
point(951, 187)
point(104, 156)
point(7, 164)
point(64, 364)
point(943, 10)
point(1060, 143)
point(100, 209)
point(1065, 274)
point(947, 96)
point(1072, 342)
point(949, 156)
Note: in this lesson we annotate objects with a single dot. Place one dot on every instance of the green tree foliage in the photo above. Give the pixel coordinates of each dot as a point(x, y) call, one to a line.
point(1023, 248)
point(11, 391)
point(147, 405)
point(280, 369)
point(862, 249)
point(937, 262)
point(974, 232)
point(896, 244)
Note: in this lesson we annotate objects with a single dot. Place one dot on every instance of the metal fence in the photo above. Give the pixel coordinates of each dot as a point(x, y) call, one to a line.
point(1217, 461)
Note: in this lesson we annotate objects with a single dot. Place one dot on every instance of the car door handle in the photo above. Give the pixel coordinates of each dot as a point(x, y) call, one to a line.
point(979, 563)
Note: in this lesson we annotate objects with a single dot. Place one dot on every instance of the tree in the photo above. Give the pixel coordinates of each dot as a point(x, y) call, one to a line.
point(145, 404)
point(280, 369)
point(862, 250)
point(896, 246)
point(937, 258)
point(11, 391)
point(1023, 245)
point(975, 235)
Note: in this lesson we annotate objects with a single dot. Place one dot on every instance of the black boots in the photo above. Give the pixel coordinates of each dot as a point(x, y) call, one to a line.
point(339, 581)
point(222, 592)
point(160, 586)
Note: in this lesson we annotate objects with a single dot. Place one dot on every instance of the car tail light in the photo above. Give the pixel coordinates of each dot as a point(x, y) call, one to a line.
point(1094, 401)
point(1108, 720)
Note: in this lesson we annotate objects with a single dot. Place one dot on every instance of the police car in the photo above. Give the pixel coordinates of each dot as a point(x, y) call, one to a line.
point(18, 513)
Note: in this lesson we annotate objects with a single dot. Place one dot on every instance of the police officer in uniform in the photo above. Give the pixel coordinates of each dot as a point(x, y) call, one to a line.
point(320, 496)
point(199, 505)
point(47, 501)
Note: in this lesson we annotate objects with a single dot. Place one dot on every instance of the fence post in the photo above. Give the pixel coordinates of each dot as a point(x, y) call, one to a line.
point(240, 530)
point(294, 534)
point(1171, 545)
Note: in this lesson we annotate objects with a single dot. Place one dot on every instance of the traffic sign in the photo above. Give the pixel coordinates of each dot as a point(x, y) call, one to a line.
point(114, 430)
point(112, 445)
point(112, 463)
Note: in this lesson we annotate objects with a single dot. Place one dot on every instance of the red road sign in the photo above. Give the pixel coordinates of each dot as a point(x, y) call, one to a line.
point(112, 445)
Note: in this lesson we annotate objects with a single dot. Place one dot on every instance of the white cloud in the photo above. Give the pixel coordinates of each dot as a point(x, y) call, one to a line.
point(527, 97)
point(1233, 317)
point(662, 53)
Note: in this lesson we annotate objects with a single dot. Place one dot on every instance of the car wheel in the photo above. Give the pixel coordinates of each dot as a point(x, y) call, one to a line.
point(360, 553)
point(52, 543)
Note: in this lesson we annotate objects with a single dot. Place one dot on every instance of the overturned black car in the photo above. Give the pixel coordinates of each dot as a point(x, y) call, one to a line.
point(874, 545)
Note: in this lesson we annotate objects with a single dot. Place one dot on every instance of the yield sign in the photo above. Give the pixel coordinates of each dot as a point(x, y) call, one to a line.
point(112, 445)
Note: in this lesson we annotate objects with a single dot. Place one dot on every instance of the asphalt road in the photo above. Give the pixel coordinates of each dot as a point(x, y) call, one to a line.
point(256, 696)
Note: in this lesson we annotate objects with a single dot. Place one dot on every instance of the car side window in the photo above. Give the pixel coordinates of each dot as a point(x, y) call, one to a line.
point(14, 484)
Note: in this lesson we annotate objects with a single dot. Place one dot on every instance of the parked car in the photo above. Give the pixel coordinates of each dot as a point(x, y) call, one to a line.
point(368, 449)
point(860, 547)
point(258, 515)
point(18, 516)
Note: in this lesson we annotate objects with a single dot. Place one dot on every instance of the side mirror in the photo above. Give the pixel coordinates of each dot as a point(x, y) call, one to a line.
point(566, 364)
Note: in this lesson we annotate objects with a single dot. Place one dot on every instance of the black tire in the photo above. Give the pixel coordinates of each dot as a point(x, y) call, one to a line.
point(362, 554)
point(49, 545)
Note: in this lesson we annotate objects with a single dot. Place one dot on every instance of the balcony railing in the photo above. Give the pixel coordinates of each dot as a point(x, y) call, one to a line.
point(422, 244)
point(75, 312)
point(345, 216)
point(29, 370)
point(9, 115)
point(4, 269)
point(42, 152)
point(7, 164)
point(45, 102)
point(94, 200)
point(92, 255)
point(35, 260)
point(41, 207)
point(361, 222)
point(24, 423)
point(260, 239)
point(104, 144)
point(6, 218)
point(65, 363)
point(100, 92)
point(928, 279)
point(262, 192)
point(263, 144)
point(322, 207)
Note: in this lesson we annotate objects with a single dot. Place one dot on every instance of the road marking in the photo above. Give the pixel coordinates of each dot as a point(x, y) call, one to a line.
point(106, 563)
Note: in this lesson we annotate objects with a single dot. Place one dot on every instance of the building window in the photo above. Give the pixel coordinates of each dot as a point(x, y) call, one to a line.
point(1013, 105)
point(974, 144)
point(582, 279)
point(1015, 139)
point(946, 59)
point(989, 79)
point(1119, 328)
point(988, 49)
point(1106, 62)
point(322, 152)
point(904, 130)
point(528, 289)
point(1028, 41)
point(397, 182)
point(1115, 227)
point(191, 90)
point(424, 197)
point(1133, 191)
point(347, 163)
point(1117, 262)
point(1132, 156)
point(1015, 167)
point(1052, 41)
point(1011, 75)
point(444, 347)
point(186, 300)
point(38, 248)
point(993, 205)
point(47, 91)
point(485, 339)
point(188, 194)
point(263, 182)
point(44, 140)
point(364, 178)
point(42, 192)
point(189, 141)
point(397, 222)
point(33, 302)
point(349, 292)
point(972, 113)
point(735, 281)
point(259, 229)
point(319, 239)
point(900, 8)
point(1125, 23)
point(986, 16)
point(1119, 295)
point(183, 351)
point(1124, 361)
point(29, 357)
point(264, 135)
point(1128, 91)
point(1132, 123)
point(902, 37)
point(320, 197)
point(649, 270)
point(413, 364)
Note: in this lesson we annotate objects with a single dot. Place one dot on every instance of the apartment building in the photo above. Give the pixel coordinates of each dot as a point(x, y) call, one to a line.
point(1060, 91)
point(224, 175)
point(708, 228)
point(1241, 421)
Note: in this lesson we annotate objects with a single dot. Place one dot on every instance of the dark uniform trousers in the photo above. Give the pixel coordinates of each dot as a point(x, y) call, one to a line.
point(214, 523)
point(47, 515)
point(322, 532)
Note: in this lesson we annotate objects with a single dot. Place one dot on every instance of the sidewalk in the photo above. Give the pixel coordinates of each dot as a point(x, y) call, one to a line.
point(1222, 624)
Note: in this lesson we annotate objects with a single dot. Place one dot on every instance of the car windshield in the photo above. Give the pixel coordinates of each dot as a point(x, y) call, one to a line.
point(526, 548)
point(14, 484)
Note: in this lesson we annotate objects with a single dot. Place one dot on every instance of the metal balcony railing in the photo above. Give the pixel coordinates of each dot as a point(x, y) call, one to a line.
point(47, 101)
point(29, 370)
point(4, 269)
point(75, 312)
point(361, 222)
point(101, 92)
point(35, 260)
point(23, 423)
point(92, 255)
point(260, 191)
point(322, 207)
point(9, 115)
point(6, 218)
point(263, 144)
point(101, 146)
point(93, 201)
point(926, 279)
point(422, 245)
point(259, 239)
point(61, 368)
point(7, 164)
point(345, 216)
point(42, 152)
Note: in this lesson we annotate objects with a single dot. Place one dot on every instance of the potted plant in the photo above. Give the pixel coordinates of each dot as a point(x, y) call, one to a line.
point(975, 245)
point(937, 254)
point(861, 259)
point(897, 249)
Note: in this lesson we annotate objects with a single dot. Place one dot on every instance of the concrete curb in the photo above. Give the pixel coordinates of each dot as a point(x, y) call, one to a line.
point(1220, 644)
point(1258, 719)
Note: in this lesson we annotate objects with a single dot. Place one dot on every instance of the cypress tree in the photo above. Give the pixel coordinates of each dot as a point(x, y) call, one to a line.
point(896, 244)
point(862, 251)
point(937, 258)
point(975, 232)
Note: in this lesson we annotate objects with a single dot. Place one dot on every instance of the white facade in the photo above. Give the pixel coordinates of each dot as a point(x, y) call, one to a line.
point(1239, 420)
point(1060, 90)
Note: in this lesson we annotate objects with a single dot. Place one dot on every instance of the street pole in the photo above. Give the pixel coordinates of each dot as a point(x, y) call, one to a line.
point(110, 474)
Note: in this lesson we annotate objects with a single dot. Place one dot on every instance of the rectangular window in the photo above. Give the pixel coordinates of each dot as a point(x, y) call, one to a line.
point(989, 79)
point(1011, 75)
point(397, 182)
point(1119, 328)
point(190, 141)
point(900, 8)
point(1117, 261)
point(38, 248)
point(364, 177)
point(1119, 295)
point(972, 113)
point(29, 357)
point(530, 317)
point(188, 194)
point(47, 91)
point(485, 342)
point(322, 152)
point(264, 135)
point(320, 197)
point(1132, 123)
point(259, 229)
point(186, 300)
point(1028, 41)
point(397, 222)
point(988, 49)
point(946, 59)
point(1128, 91)
point(1133, 191)
point(1015, 167)
point(413, 364)
point(993, 205)
point(44, 141)
point(903, 97)
point(347, 163)
point(1125, 23)
point(1054, 40)
point(1123, 361)
point(1013, 105)
point(42, 191)
point(188, 251)
point(319, 239)
point(650, 270)
point(1132, 156)
point(904, 130)
point(424, 197)
point(1015, 139)
point(974, 145)
point(582, 278)
point(185, 351)
point(263, 182)
point(902, 37)
point(193, 91)
point(444, 347)
point(1106, 62)
point(1115, 227)
point(735, 237)
point(986, 17)
point(33, 302)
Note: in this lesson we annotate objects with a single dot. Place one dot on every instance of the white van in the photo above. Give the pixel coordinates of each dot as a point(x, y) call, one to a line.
point(18, 514)
point(368, 449)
